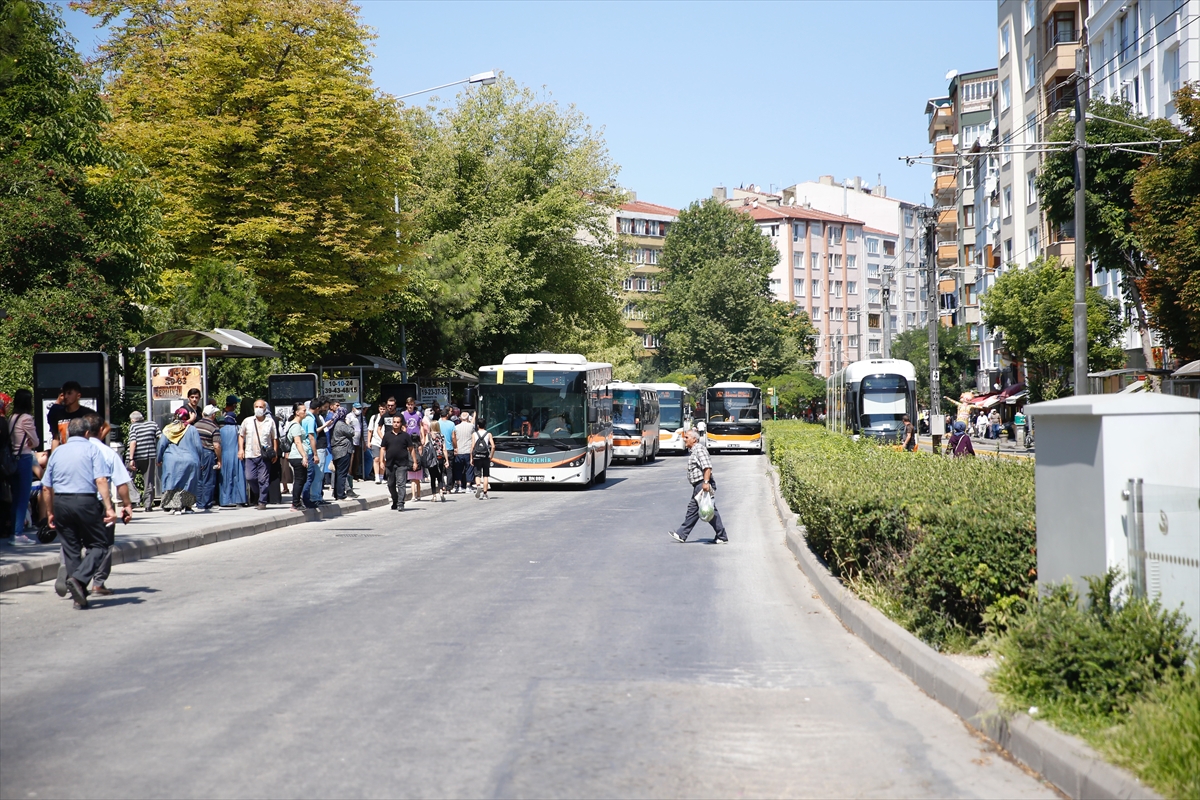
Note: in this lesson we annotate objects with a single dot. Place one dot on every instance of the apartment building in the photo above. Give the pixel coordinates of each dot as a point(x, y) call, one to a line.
point(892, 243)
point(820, 272)
point(1141, 52)
point(948, 175)
point(642, 228)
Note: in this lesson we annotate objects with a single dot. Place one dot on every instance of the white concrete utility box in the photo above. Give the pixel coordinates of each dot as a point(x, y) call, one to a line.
point(1118, 485)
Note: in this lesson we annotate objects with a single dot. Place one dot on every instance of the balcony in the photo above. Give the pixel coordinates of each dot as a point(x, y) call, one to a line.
point(971, 315)
point(1063, 249)
point(946, 286)
point(1059, 62)
point(944, 146)
point(944, 186)
point(947, 253)
point(948, 217)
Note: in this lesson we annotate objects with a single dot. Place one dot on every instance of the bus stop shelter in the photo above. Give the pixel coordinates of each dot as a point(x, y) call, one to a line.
point(177, 362)
point(343, 376)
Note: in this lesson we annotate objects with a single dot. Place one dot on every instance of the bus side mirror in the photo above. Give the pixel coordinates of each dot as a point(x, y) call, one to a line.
point(593, 415)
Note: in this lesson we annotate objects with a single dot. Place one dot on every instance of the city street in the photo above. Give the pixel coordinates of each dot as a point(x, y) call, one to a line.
point(540, 643)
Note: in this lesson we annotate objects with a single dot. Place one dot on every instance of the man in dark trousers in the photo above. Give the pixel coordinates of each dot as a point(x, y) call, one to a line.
point(399, 453)
point(700, 478)
point(74, 475)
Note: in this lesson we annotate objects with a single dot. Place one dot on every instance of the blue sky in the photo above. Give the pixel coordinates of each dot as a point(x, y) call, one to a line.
point(696, 95)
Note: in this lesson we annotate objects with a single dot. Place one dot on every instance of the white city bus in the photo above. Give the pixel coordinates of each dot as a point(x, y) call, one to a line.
point(635, 422)
point(871, 397)
point(551, 417)
point(733, 417)
point(674, 415)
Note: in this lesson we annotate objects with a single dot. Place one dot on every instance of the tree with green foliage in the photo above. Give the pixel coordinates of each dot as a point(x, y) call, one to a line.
point(795, 390)
point(956, 362)
point(716, 310)
point(1166, 197)
point(275, 153)
point(1112, 243)
point(510, 205)
point(78, 220)
point(1033, 309)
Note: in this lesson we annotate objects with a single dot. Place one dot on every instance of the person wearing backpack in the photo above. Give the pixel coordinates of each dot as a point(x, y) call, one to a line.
point(436, 458)
point(483, 447)
point(22, 442)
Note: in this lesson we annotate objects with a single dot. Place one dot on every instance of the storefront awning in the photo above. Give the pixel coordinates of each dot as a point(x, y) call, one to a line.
point(1016, 398)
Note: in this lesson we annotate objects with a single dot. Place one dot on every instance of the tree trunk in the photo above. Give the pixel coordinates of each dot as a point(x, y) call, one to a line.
point(1133, 294)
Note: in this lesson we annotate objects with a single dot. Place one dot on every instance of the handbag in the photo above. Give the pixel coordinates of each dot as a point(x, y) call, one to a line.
point(9, 459)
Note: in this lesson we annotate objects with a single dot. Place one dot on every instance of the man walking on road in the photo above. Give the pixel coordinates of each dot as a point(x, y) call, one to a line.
point(121, 481)
point(398, 452)
point(74, 476)
point(464, 475)
point(700, 478)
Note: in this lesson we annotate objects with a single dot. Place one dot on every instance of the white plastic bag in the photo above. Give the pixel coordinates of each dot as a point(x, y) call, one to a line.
point(707, 505)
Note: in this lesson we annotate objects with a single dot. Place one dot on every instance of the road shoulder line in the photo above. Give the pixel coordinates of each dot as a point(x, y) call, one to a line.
point(1065, 761)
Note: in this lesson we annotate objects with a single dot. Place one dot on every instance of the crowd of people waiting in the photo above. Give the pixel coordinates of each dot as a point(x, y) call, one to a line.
point(204, 457)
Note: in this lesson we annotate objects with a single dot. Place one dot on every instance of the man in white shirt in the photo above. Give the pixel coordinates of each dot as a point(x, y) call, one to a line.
point(464, 473)
point(375, 430)
point(258, 447)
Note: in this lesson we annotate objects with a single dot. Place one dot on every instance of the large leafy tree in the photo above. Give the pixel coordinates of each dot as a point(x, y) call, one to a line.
point(78, 221)
point(275, 153)
point(1034, 311)
point(956, 361)
point(510, 203)
point(1112, 242)
point(716, 311)
point(1167, 222)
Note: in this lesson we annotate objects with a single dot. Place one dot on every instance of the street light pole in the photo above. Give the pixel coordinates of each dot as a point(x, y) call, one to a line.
point(1081, 338)
point(936, 420)
point(482, 79)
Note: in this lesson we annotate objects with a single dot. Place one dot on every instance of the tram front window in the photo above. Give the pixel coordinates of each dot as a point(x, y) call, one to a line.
point(884, 402)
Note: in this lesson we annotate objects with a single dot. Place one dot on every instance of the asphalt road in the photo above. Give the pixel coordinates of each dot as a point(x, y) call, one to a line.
point(540, 643)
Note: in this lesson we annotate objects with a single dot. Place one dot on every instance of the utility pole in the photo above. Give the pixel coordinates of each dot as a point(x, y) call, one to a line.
point(937, 422)
point(1081, 338)
point(887, 311)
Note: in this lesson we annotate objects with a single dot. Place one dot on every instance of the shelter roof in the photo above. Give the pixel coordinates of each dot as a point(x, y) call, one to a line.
point(220, 342)
point(356, 361)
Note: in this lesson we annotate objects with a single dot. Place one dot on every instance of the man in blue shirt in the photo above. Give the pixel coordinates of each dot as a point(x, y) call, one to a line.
point(74, 476)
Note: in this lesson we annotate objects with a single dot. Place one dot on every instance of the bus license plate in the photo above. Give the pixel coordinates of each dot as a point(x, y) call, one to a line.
point(531, 478)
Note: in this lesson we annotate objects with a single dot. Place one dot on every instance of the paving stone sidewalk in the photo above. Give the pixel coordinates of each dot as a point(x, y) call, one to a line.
point(156, 533)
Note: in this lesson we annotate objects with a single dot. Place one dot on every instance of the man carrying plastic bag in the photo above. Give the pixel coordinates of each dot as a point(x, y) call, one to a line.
point(702, 494)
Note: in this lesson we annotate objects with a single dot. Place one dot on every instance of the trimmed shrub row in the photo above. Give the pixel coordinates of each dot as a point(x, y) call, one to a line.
point(943, 538)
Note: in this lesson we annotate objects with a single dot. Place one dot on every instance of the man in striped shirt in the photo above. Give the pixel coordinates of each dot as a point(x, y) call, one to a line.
point(700, 478)
point(141, 457)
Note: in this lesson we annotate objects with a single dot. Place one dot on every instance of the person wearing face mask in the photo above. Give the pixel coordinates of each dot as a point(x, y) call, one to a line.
point(258, 447)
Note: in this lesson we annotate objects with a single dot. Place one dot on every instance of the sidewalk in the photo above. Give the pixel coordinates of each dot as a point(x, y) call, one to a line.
point(984, 447)
point(157, 533)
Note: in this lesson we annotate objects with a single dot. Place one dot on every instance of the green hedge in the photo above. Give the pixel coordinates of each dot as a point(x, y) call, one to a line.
point(942, 539)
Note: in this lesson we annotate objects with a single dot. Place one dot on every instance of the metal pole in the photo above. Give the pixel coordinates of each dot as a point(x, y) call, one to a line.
point(887, 312)
point(1081, 338)
point(403, 353)
point(935, 381)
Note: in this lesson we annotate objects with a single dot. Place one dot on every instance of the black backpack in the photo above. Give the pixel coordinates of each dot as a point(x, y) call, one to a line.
point(482, 450)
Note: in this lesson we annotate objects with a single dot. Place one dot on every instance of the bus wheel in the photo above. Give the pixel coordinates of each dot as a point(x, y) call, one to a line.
point(600, 477)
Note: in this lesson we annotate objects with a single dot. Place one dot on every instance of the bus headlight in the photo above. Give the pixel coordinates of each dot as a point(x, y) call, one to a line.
point(578, 462)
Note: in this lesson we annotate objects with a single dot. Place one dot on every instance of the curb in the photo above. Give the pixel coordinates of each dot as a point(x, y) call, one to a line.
point(1065, 761)
point(44, 567)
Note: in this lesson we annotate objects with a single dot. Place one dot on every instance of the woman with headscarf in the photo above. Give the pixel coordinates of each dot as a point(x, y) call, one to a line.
point(960, 441)
point(341, 447)
point(232, 491)
point(179, 463)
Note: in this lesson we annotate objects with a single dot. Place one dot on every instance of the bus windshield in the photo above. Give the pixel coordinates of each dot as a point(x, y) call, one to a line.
point(670, 410)
point(733, 405)
point(884, 401)
point(625, 409)
point(550, 407)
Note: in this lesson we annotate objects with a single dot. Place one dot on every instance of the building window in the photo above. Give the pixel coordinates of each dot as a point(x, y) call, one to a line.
point(873, 296)
point(851, 233)
point(625, 225)
point(1005, 40)
point(797, 231)
point(911, 318)
point(835, 314)
point(1005, 95)
point(798, 287)
point(815, 261)
point(1008, 251)
point(852, 315)
point(968, 179)
point(968, 253)
point(649, 341)
point(1031, 187)
point(908, 218)
point(814, 228)
point(627, 284)
point(631, 311)
point(889, 248)
point(771, 230)
point(798, 260)
point(835, 261)
point(872, 247)
point(837, 288)
point(851, 287)
point(1006, 202)
point(816, 287)
point(642, 284)
point(835, 234)
point(969, 216)
point(1030, 14)
point(852, 341)
point(872, 270)
point(1030, 73)
point(909, 244)
point(1060, 28)
point(851, 262)
point(816, 314)
point(1033, 242)
point(910, 295)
